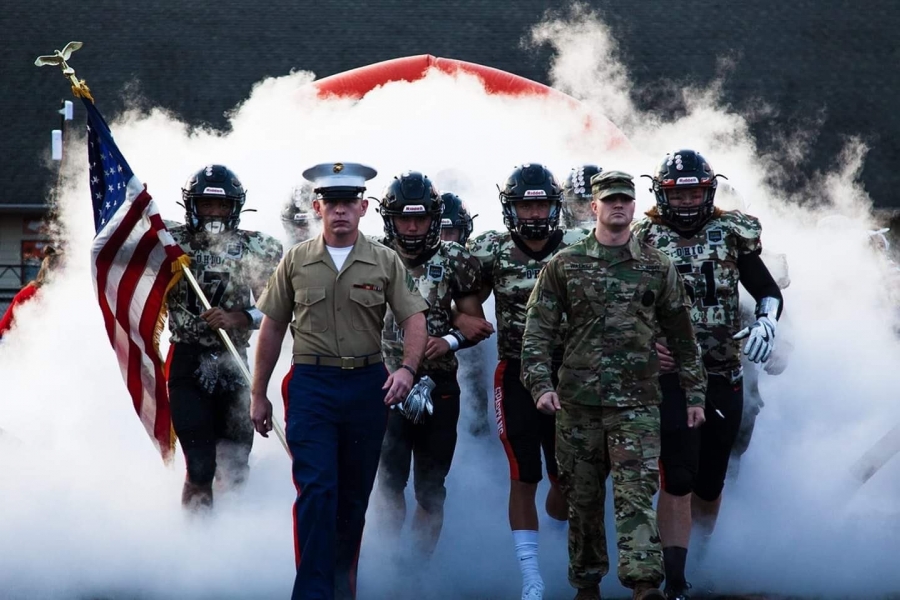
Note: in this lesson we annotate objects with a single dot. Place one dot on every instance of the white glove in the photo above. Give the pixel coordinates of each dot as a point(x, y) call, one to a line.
point(761, 339)
point(418, 401)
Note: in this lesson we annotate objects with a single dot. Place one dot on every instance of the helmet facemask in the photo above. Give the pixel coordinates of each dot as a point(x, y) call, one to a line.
point(577, 212)
point(455, 216)
point(413, 245)
point(684, 170)
point(576, 196)
point(530, 229)
point(412, 195)
point(216, 182)
point(686, 217)
point(531, 182)
point(213, 225)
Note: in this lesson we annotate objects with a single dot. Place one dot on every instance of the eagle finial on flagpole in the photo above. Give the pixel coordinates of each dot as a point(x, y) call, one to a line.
point(59, 58)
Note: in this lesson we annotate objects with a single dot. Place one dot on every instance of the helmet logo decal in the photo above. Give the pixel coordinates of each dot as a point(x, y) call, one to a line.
point(535, 194)
point(687, 181)
point(209, 170)
point(414, 208)
point(445, 222)
point(216, 191)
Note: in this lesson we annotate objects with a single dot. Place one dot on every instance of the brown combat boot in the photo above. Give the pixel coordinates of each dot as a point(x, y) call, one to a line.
point(646, 591)
point(591, 593)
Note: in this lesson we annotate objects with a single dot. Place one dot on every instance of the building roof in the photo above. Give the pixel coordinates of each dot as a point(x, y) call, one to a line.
point(827, 60)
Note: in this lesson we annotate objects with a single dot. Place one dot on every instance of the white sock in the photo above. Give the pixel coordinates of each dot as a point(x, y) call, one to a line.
point(527, 553)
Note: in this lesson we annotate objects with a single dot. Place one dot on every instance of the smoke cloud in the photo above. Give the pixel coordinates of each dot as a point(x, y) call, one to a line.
point(89, 511)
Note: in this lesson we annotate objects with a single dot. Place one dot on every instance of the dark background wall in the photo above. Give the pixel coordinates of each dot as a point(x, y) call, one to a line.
point(808, 59)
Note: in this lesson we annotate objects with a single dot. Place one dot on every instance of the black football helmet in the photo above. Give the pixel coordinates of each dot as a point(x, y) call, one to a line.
point(685, 169)
point(298, 216)
point(411, 194)
point(213, 181)
point(531, 181)
point(456, 216)
point(576, 196)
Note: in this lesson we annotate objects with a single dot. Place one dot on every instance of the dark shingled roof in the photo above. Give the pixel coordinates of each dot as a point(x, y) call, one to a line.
point(200, 59)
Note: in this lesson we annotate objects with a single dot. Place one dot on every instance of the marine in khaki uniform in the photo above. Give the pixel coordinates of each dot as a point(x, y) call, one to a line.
point(336, 287)
point(615, 294)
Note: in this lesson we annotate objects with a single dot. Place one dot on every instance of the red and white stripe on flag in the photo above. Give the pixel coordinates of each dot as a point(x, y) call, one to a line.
point(135, 263)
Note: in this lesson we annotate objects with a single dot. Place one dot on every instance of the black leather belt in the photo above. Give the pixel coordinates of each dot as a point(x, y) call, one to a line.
point(344, 362)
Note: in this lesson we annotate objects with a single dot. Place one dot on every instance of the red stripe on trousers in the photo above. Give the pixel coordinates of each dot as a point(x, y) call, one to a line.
point(285, 382)
point(501, 420)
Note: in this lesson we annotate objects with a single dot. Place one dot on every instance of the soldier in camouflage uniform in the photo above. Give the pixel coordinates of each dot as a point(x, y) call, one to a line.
point(576, 197)
point(445, 273)
point(714, 250)
point(210, 400)
point(615, 294)
point(298, 218)
point(510, 264)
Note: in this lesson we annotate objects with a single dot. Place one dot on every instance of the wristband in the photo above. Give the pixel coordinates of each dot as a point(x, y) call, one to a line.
point(458, 335)
point(768, 307)
point(451, 339)
point(255, 315)
point(409, 368)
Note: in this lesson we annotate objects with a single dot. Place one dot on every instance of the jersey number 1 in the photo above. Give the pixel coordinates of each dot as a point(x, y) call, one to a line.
point(708, 270)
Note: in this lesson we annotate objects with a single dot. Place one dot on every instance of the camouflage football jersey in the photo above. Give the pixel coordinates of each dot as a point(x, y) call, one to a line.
point(708, 263)
point(228, 267)
point(512, 273)
point(451, 273)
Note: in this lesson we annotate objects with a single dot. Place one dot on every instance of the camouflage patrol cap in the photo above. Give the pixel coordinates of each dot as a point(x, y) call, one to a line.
point(610, 183)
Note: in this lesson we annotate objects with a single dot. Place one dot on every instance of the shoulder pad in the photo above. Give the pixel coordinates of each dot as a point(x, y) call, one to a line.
point(640, 227)
point(744, 226)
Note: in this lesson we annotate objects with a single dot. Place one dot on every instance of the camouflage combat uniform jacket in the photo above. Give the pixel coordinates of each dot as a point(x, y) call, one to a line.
point(512, 272)
point(449, 274)
point(229, 267)
point(708, 263)
point(615, 300)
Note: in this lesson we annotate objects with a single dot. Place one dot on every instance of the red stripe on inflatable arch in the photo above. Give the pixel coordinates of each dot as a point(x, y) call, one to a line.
point(356, 83)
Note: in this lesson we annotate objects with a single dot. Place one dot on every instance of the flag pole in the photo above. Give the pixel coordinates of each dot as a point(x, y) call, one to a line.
point(60, 58)
point(223, 335)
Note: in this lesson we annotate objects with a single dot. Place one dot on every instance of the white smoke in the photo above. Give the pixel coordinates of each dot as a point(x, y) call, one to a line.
point(796, 521)
point(90, 511)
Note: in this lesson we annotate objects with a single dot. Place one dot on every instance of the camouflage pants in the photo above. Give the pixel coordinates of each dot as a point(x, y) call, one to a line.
point(591, 443)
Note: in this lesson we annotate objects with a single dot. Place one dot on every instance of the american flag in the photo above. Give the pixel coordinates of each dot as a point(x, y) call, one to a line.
point(135, 263)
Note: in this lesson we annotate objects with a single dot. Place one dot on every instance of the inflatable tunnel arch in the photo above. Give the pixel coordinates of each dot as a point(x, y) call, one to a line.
point(356, 83)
